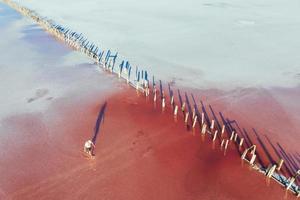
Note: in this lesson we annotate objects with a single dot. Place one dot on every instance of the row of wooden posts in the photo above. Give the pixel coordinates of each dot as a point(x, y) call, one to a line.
point(140, 81)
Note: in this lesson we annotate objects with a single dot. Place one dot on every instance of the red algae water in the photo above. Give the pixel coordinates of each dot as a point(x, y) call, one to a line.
point(141, 153)
point(261, 118)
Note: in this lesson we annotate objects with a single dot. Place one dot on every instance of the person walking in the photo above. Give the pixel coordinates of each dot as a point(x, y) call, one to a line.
point(89, 147)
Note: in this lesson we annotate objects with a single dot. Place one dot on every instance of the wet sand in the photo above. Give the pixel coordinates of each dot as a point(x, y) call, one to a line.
point(141, 153)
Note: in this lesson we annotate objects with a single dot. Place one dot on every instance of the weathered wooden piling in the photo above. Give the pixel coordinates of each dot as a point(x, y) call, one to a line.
point(202, 118)
point(154, 94)
point(163, 103)
point(147, 91)
point(186, 117)
point(244, 154)
point(176, 110)
point(252, 149)
point(194, 113)
point(203, 130)
point(223, 130)
point(222, 143)
point(241, 142)
point(226, 145)
point(235, 137)
point(212, 124)
point(271, 171)
point(279, 164)
point(172, 100)
point(252, 160)
point(215, 135)
point(195, 121)
point(183, 107)
point(163, 100)
point(232, 135)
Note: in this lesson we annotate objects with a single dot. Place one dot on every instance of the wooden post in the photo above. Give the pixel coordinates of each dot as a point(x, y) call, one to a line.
point(232, 135)
point(222, 143)
point(186, 117)
point(244, 154)
point(252, 159)
point(212, 124)
point(163, 100)
point(154, 89)
point(183, 107)
point(194, 113)
point(271, 171)
point(195, 121)
point(215, 135)
point(154, 97)
point(202, 118)
point(235, 137)
point(226, 144)
point(241, 142)
point(175, 110)
point(223, 129)
point(254, 149)
point(172, 100)
point(280, 163)
point(203, 129)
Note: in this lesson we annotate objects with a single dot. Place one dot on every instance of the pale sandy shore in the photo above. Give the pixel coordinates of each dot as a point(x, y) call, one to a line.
point(141, 152)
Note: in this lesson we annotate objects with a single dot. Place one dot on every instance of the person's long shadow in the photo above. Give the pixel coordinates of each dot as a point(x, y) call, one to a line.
point(98, 122)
